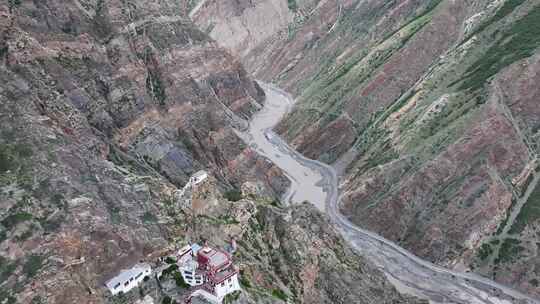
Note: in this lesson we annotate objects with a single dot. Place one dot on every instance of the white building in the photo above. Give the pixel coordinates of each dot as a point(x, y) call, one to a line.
point(127, 279)
point(191, 274)
point(198, 177)
point(225, 282)
point(184, 255)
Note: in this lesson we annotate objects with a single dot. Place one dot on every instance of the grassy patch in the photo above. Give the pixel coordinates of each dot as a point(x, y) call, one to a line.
point(244, 281)
point(529, 213)
point(509, 251)
point(148, 217)
point(7, 268)
point(280, 294)
point(232, 297)
point(155, 87)
point(484, 251)
point(233, 195)
point(32, 265)
point(13, 219)
point(293, 6)
point(180, 280)
point(506, 9)
point(518, 42)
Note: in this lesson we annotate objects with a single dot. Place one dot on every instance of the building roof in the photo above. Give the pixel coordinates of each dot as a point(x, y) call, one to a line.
point(214, 258)
point(200, 174)
point(184, 250)
point(126, 274)
point(223, 275)
point(195, 248)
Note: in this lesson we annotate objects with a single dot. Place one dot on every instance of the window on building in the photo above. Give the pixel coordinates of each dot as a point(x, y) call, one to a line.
point(230, 280)
point(117, 285)
point(126, 283)
point(222, 284)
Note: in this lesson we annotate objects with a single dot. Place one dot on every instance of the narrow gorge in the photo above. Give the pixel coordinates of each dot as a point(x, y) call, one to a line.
point(427, 109)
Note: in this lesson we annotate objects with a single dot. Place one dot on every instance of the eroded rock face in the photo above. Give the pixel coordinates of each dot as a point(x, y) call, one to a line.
point(107, 107)
point(434, 108)
point(292, 251)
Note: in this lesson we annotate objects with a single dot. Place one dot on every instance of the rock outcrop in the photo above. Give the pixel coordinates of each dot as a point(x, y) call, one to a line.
point(430, 109)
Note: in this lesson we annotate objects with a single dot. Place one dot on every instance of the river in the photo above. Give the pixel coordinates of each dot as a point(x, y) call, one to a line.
point(317, 183)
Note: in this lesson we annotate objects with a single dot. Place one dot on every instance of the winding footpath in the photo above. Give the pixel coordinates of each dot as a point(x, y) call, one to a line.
point(317, 183)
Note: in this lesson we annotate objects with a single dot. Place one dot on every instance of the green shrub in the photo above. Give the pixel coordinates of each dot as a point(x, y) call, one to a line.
point(278, 293)
point(529, 213)
point(6, 268)
point(166, 300)
point(170, 260)
point(517, 43)
point(293, 6)
point(32, 265)
point(244, 280)
point(484, 251)
point(230, 298)
point(509, 251)
point(233, 195)
point(148, 217)
point(13, 219)
point(180, 280)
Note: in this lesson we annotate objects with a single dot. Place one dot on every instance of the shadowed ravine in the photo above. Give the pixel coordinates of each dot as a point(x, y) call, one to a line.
point(318, 183)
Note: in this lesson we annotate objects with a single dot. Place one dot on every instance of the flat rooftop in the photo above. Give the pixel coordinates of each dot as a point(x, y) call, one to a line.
point(215, 258)
point(223, 275)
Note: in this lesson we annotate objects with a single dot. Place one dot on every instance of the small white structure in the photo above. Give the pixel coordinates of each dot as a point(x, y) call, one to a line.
point(184, 255)
point(127, 279)
point(191, 274)
point(225, 283)
point(198, 177)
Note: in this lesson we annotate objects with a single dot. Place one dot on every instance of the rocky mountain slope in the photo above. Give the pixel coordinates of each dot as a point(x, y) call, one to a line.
point(107, 107)
point(428, 107)
point(285, 254)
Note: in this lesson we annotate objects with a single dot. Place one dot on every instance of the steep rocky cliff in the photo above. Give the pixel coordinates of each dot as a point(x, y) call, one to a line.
point(285, 254)
point(430, 108)
point(106, 108)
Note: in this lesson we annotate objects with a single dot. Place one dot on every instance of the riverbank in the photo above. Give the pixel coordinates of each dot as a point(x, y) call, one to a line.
point(318, 183)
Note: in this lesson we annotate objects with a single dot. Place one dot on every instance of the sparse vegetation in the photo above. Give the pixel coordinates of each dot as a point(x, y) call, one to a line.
point(155, 87)
point(516, 43)
point(170, 260)
point(32, 265)
point(280, 294)
point(233, 195)
point(166, 300)
point(13, 219)
point(509, 251)
point(149, 217)
point(244, 280)
point(230, 298)
point(484, 251)
point(293, 6)
point(7, 267)
point(529, 213)
point(180, 280)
